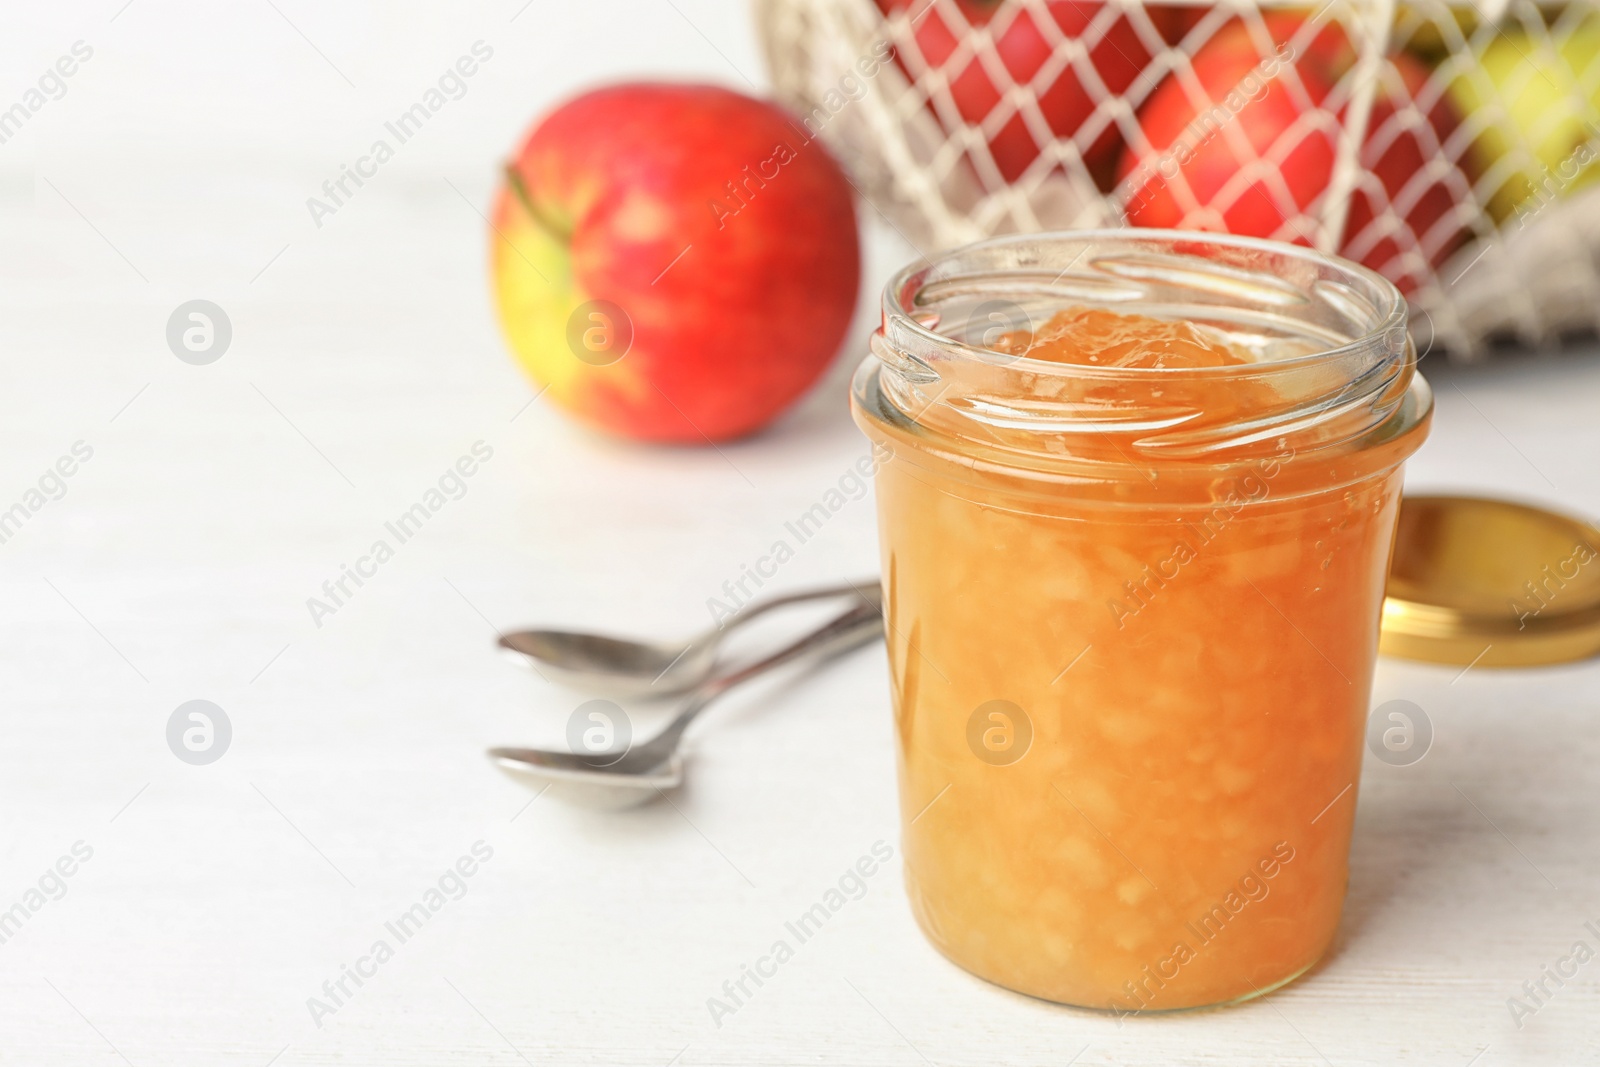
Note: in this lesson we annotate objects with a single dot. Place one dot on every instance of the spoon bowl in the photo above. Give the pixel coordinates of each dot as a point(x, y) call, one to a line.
point(630, 777)
point(618, 667)
point(583, 782)
point(610, 666)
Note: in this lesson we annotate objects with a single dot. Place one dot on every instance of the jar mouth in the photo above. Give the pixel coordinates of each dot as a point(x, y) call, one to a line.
point(1327, 341)
point(1220, 270)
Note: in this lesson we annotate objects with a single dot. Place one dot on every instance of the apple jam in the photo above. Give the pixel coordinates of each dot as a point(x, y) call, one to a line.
point(1135, 527)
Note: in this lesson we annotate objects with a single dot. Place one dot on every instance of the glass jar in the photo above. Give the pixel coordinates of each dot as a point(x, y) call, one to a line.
point(1133, 611)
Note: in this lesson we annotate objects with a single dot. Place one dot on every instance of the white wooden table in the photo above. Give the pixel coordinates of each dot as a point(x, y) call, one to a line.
point(216, 900)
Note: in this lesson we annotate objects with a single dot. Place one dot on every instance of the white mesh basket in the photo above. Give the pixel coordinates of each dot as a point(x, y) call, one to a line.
point(962, 118)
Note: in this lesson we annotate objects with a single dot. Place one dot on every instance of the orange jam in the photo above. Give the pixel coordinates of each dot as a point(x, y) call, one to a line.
point(1130, 683)
point(1098, 337)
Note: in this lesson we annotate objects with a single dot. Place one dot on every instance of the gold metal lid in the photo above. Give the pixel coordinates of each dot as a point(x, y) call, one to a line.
point(1492, 584)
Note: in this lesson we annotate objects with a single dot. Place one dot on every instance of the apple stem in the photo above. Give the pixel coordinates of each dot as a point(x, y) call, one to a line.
point(520, 191)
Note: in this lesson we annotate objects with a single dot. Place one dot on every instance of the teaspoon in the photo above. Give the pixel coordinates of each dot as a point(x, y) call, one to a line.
point(631, 777)
point(618, 667)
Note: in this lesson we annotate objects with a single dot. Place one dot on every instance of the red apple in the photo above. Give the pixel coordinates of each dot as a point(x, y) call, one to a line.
point(1194, 141)
point(1245, 149)
point(674, 262)
point(1024, 48)
point(1394, 155)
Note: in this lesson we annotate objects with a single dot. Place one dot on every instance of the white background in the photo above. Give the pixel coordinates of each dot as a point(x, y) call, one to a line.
point(364, 362)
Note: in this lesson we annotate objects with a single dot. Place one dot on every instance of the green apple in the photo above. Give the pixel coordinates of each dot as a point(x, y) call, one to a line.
point(1543, 134)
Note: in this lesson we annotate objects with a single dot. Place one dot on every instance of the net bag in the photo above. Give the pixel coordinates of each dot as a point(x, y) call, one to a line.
point(1454, 147)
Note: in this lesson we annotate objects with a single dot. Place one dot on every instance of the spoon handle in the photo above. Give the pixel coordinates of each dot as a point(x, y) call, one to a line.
point(855, 627)
point(868, 589)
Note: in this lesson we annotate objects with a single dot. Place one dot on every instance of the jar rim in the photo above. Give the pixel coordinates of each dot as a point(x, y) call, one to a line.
point(1333, 365)
point(1391, 312)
